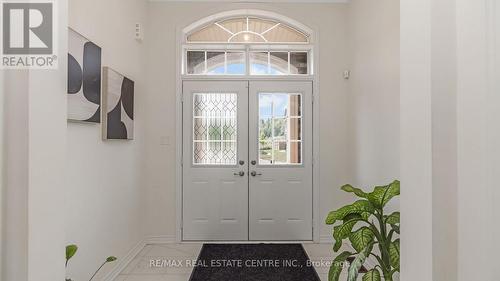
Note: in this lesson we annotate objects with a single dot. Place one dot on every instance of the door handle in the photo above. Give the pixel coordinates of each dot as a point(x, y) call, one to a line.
point(254, 173)
point(240, 173)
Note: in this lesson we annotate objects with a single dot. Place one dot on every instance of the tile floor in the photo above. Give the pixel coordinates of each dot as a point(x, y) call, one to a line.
point(141, 270)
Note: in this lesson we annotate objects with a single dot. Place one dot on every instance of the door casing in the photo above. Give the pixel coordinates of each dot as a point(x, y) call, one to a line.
point(315, 40)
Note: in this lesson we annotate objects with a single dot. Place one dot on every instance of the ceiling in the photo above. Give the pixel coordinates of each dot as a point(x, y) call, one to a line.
point(258, 1)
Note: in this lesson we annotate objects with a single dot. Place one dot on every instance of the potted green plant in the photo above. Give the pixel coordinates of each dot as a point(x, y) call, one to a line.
point(370, 231)
point(71, 251)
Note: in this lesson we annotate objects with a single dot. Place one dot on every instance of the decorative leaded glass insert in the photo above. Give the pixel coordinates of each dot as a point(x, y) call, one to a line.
point(215, 128)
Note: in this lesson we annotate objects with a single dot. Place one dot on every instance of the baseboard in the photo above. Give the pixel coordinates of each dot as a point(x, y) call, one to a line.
point(162, 239)
point(123, 262)
point(325, 239)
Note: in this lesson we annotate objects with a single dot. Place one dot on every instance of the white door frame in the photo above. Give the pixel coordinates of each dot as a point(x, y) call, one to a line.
point(317, 217)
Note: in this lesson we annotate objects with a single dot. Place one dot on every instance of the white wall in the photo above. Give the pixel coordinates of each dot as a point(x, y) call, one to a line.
point(478, 113)
point(373, 33)
point(444, 140)
point(104, 187)
point(2, 164)
point(416, 141)
point(373, 37)
point(494, 90)
point(47, 148)
point(450, 84)
point(15, 180)
point(164, 20)
point(33, 188)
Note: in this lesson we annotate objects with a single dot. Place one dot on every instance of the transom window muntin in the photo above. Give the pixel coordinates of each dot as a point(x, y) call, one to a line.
point(234, 62)
point(214, 62)
point(248, 30)
point(238, 45)
point(278, 62)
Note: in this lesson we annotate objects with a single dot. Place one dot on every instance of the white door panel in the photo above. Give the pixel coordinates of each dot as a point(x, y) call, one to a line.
point(215, 195)
point(247, 165)
point(280, 138)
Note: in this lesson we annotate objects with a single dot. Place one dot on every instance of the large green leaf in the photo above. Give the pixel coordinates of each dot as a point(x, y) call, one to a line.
point(361, 238)
point(343, 231)
point(337, 266)
point(393, 218)
point(383, 194)
point(372, 275)
point(357, 191)
point(358, 207)
point(357, 263)
point(396, 228)
point(394, 253)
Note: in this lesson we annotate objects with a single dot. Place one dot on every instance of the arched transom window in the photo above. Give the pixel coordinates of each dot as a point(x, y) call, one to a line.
point(246, 45)
point(248, 30)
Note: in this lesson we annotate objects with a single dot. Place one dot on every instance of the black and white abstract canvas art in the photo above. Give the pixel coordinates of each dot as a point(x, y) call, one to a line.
point(84, 79)
point(118, 102)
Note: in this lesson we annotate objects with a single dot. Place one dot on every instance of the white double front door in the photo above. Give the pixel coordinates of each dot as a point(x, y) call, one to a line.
point(247, 160)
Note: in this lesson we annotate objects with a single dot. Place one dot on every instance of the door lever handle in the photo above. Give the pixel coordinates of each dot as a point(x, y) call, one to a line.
point(240, 173)
point(254, 173)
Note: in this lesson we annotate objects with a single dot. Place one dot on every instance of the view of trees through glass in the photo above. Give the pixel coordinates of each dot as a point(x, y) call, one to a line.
point(280, 132)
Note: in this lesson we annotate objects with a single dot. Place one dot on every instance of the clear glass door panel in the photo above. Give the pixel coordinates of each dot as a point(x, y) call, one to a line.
point(280, 129)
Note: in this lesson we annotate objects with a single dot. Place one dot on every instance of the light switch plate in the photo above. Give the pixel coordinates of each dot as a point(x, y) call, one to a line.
point(347, 74)
point(138, 32)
